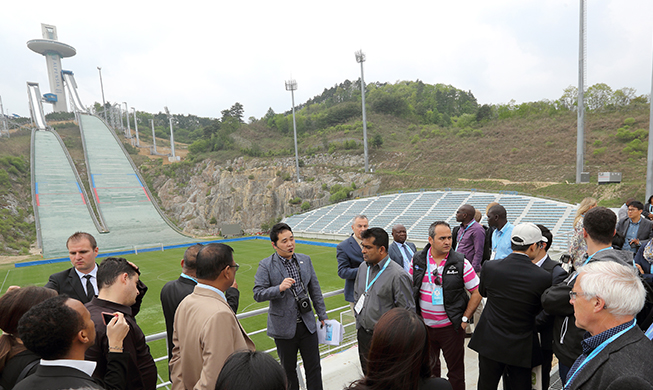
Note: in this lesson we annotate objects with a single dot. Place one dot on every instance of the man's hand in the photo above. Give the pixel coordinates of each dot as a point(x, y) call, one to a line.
point(285, 285)
point(117, 330)
point(235, 285)
point(322, 322)
point(634, 241)
point(464, 325)
point(133, 265)
point(639, 267)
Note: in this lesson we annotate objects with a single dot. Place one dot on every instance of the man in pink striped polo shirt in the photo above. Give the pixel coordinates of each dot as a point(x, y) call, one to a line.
point(441, 279)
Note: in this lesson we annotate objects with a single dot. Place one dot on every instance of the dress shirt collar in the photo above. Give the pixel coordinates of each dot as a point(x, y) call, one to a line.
point(85, 366)
point(590, 342)
point(360, 242)
point(206, 286)
point(379, 264)
point(113, 306)
point(504, 228)
point(542, 260)
point(93, 273)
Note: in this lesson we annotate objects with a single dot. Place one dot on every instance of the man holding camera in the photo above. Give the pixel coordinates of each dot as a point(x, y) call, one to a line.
point(287, 279)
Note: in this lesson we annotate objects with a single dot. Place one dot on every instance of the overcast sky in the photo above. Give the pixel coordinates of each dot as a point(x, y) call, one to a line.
point(200, 57)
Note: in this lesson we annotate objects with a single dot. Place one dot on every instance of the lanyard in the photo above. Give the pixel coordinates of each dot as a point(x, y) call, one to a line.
point(463, 235)
point(428, 266)
point(590, 257)
point(410, 251)
point(499, 233)
point(368, 285)
point(597, 350)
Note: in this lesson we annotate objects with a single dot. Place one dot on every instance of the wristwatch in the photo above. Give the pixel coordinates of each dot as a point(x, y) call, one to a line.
point(465, 319)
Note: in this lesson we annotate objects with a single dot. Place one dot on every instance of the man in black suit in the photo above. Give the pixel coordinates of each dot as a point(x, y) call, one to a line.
point(505, 337)
point(544, 321)
point(350, 256)
point(82, 250)
point(400, 250)
point(176, 290)
point(60, 330)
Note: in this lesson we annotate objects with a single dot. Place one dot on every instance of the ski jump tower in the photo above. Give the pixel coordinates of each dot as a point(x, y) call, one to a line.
point(54, 51)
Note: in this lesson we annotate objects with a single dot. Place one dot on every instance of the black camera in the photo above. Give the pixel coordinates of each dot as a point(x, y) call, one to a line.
point(304, 305)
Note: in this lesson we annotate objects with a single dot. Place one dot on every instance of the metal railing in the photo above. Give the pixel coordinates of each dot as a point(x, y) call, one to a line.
point(324, 350)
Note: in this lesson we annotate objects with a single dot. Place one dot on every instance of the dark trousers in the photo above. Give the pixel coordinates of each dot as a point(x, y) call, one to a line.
point(306, 344)
point(547, 355)
point(364, 342)
point(452, 344)
point(490, 371)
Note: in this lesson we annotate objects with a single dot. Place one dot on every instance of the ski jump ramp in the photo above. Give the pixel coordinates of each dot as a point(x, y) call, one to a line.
point(126, 216)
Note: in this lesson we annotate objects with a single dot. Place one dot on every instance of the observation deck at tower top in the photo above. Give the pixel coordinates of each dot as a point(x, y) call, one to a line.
point(45, 46)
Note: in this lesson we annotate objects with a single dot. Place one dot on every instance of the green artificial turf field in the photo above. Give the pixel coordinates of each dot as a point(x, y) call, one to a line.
point(157, 268)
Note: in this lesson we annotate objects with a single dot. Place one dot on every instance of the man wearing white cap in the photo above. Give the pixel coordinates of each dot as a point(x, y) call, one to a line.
point(505, 338)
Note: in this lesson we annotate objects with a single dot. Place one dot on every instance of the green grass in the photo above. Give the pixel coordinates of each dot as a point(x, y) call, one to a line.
point(157, 268)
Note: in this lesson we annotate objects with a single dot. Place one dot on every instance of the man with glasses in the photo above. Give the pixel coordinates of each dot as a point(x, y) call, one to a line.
point(206, 330)
point(635, 229)
point(616, 354)
point(441, 280)
point(287, 279)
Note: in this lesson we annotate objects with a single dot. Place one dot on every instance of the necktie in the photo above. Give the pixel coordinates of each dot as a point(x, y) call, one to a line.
point(407, 258)
point(90, 291)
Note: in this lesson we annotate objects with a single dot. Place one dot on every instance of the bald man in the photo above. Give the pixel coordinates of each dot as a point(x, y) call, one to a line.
point(470, 236)
point(401, 251)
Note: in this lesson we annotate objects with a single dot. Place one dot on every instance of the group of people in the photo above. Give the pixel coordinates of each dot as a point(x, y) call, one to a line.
point(533, 309)
point(80, 331)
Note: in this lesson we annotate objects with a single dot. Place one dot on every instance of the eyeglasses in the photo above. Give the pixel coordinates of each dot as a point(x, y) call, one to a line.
point(574, 294)
point(235, 266)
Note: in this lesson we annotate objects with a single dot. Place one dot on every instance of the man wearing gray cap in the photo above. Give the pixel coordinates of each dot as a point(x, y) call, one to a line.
point(505, 337)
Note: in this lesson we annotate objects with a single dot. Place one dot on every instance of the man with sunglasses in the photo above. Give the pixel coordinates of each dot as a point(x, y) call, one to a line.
point(287, 279)
point(441, 280)
point(206, 330)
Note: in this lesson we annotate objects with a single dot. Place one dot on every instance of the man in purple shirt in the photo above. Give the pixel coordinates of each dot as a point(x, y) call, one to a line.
point(470, 237)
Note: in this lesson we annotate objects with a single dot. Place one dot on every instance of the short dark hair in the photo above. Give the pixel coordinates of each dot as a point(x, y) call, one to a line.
point(546, 233)
point(434, 225)
point(251, 370)
point(212, 259)
point(380, 237)
point(49, 328)
point(499, 211)
point(190, 256)
point(637, 204)
point(276, 229)
point(80, 236)
point(519, 247)
point(112, 267)
point(599, 223)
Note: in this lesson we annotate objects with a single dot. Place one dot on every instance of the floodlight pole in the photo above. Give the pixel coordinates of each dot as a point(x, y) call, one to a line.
point(291, 85)
point(649, 157)
point(360, 58)
point(129, 130)
point(122, 126)
point(138, 142)
point(580, 133)
point(104, 108)
point(153, 137)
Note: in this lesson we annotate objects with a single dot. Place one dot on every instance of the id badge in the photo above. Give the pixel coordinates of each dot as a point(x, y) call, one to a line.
point(359, 305)
point(436, 296)
point(493, 255)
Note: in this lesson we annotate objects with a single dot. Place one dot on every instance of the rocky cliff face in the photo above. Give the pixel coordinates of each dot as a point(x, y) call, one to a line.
point(255, 191)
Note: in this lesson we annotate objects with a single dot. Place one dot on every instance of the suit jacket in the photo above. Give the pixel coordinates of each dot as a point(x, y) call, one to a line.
point(63, 377)
point(67, 282)
point(350, 257)
point(395, 252)
point(206, 332)
point(506, 331)
point(644, 232)
point(282, 315)
point(625, 364)
point(175, 291)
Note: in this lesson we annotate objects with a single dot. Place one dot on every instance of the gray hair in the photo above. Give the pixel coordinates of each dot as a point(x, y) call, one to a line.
point(617, 284)
point(359, 216)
